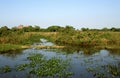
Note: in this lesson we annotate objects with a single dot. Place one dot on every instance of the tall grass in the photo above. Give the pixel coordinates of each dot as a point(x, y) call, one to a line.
point(25, 38)
point(16, 41)
point(85, 38)
point(74, 38)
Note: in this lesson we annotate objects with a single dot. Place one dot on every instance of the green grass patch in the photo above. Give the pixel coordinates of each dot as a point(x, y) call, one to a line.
point(8, 47)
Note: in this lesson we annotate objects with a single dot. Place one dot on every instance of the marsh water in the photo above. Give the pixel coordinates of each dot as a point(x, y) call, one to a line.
point(81, 59)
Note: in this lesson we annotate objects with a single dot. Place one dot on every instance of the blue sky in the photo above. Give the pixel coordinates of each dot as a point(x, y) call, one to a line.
point(78, 13)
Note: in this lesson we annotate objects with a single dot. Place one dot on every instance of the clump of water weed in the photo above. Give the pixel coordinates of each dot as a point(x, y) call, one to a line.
point(5, 69)
point(39, 66)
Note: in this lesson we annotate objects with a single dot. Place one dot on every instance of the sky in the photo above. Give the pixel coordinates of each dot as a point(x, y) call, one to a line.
point(45, 13)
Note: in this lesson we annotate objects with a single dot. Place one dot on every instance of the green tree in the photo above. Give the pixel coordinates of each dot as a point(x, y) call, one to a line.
point(84, 29)
point(4, 31)
point(28, 29)
point(105, 29)
point(115, 29)
point(36, 28)
point(54, 28)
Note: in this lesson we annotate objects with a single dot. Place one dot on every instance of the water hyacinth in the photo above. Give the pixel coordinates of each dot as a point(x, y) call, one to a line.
point(40, 67)
point(5, 69)
point(54, 67)
point(21, 67)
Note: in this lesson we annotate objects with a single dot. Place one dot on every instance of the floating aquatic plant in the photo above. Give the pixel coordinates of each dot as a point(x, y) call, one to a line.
point(21, 67)
point(5, 69)
point(40, 67)
point(53, 67)
point(107, 71)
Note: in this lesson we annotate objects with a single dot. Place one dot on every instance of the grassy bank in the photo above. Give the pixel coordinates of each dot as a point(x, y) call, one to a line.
point(8, 47)
point(17, 41)
point(25, 38)
point(100, 39)
point(89, 38)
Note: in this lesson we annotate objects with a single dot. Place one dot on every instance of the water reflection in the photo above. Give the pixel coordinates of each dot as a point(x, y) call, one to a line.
point(12, 54)
point(45, 42)
point(86, 50)
point(102, 53)
point(82, 59)
point(114, 51)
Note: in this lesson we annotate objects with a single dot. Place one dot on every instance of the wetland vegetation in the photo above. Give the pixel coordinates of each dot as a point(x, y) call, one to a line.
point(105, 38)
point(94, 52)
point(40, 67)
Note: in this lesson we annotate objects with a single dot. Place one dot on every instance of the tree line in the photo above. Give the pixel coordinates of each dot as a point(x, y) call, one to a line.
point(4, 30)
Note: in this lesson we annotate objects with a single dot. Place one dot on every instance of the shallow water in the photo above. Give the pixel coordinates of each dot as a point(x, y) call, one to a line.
point(79, 60)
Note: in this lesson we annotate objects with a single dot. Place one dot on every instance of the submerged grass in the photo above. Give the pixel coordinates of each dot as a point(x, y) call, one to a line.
point(110, 71)
point(105, 71)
